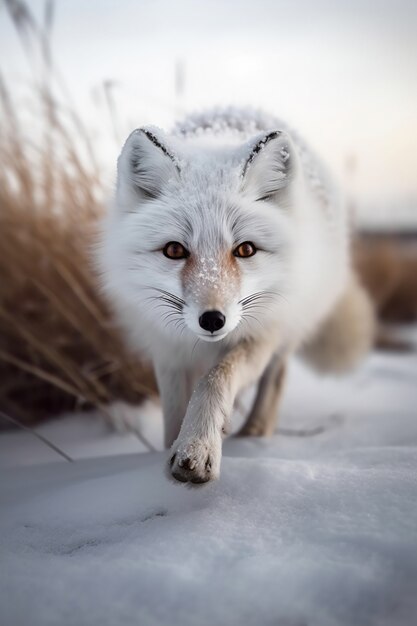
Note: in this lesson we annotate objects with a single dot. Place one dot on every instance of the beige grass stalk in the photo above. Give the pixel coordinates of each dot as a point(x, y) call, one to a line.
point(59, 346)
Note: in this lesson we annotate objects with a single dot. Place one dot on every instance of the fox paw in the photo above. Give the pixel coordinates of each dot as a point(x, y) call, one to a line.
point(196, 461)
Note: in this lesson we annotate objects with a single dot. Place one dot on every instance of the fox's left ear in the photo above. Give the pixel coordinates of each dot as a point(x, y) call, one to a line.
point(271, 165)
point(144, 167)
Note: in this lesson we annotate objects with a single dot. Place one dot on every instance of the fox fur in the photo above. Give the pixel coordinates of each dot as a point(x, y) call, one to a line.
point(214, 316)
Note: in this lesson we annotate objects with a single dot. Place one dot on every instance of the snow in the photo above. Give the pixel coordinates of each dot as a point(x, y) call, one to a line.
point(316, 526)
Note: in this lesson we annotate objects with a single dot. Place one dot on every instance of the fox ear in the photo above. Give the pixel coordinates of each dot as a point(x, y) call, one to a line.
point(271, 164)
point(144, 167)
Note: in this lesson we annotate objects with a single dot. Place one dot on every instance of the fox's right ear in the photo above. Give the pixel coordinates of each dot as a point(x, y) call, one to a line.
point(144, 167)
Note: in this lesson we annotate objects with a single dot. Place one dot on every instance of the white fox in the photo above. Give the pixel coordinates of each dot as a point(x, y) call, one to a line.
point(226, 250)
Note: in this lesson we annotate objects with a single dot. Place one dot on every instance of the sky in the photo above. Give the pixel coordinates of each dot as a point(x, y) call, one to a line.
point(342, 73)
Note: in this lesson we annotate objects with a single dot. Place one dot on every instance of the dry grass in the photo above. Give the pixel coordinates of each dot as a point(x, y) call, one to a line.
point(59, 346)
point(388, 269)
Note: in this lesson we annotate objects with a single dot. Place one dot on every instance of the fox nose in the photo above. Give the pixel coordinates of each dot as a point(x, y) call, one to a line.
point(212, 320)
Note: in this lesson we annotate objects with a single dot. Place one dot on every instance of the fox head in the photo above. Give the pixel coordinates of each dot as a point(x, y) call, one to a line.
point(200, 238)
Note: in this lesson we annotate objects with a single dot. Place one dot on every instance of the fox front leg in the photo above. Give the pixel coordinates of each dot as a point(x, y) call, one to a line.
point(196, 454)
point(174, 390)
point(262, 419)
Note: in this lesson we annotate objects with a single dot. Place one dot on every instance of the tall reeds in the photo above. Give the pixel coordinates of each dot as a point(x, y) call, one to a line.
point(60, 348)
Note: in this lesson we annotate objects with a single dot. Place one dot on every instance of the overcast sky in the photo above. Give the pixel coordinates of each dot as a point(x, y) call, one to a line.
point(343, 73)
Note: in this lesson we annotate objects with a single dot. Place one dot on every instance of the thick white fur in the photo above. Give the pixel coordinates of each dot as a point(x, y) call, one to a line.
point(195, 186)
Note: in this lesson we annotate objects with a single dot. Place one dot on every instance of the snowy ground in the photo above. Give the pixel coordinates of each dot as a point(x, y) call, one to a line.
point(300, 530)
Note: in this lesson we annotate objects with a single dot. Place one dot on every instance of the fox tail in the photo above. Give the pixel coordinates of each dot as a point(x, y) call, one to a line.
point(346, 335)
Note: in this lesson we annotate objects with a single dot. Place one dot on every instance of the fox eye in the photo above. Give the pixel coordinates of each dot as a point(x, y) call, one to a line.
point(245, 250)
point(175, 250)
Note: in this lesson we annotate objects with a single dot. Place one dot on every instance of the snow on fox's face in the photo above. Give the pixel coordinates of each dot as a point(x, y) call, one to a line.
point(199, 243)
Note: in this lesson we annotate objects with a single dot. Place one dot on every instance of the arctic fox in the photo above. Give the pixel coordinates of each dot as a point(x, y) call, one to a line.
point(226, 250)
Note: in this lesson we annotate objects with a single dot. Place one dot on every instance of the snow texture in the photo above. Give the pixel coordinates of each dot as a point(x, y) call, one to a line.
point(317, 526)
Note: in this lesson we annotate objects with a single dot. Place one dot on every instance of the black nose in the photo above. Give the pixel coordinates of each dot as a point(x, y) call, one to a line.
point(212, 320)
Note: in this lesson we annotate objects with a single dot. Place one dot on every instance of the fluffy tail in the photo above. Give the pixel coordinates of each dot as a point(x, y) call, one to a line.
point(346, 335)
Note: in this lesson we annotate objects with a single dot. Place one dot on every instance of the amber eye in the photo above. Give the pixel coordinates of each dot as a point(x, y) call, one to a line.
point(245, 250)
point(175, 250)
